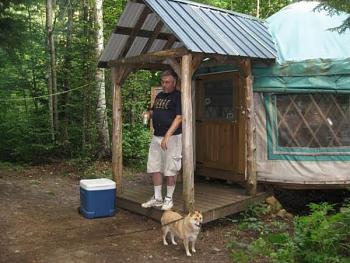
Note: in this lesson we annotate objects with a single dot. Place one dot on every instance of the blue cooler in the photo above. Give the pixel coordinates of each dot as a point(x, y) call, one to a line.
point(97, 197)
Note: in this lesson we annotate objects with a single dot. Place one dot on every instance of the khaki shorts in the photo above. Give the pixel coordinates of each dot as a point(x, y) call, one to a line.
point(167, 162)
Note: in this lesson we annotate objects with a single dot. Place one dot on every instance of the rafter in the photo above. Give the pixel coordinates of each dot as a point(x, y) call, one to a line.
point(170, 43)
point(142, 33)
point(154, 36)
point(146, 11)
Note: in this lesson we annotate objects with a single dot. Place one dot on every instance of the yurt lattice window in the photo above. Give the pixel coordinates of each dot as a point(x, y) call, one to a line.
point(313, 120)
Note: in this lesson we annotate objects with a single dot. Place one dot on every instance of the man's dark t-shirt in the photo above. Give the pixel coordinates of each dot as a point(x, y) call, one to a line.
point(165, 108)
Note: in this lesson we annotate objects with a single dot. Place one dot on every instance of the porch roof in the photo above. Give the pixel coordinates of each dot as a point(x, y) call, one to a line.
point(147, 26)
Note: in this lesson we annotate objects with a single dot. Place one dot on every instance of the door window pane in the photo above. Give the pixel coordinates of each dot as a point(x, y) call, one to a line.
point(218, 100)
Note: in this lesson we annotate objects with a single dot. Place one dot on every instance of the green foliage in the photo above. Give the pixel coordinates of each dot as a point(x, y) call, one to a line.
point(22, 134)
point(334, 7)
point(321, 237)
point(135, 144)
point(12, 167)
point(12, 24)
point(257, 211)
point(266, 8)
point(136, 93)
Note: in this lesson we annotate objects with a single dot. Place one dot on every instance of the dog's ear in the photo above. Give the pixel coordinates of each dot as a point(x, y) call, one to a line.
point(191, 213)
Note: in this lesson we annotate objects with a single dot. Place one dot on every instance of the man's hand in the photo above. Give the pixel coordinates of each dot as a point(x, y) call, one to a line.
point(164, 143)
point(149, 113)
point(175, 124)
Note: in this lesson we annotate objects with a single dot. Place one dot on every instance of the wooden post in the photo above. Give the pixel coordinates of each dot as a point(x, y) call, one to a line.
point(187, 140)
point(196, 62)
point(118, 76)
point(251, 183)
point(194, 123)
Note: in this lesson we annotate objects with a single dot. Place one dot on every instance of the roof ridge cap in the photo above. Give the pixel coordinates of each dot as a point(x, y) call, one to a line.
point(218, 9)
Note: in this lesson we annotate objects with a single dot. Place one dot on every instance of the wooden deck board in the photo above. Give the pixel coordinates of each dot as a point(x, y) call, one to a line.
point(214, 200)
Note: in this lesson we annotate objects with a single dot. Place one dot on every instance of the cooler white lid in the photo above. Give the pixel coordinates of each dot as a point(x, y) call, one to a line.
point(97, 184)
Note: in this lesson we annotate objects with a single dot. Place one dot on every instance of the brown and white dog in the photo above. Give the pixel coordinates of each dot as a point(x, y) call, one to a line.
point(186, 228)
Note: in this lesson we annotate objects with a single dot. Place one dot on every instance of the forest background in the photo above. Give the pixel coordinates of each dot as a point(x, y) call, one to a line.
point(54, 101)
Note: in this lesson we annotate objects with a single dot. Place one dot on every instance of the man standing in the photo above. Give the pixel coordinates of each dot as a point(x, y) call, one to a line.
point(165, 150)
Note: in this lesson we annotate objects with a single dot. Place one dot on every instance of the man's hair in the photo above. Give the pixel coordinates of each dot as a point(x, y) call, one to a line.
point(169, 72)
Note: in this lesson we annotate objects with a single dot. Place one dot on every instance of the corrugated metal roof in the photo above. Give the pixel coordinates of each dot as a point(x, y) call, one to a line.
point(199, 28)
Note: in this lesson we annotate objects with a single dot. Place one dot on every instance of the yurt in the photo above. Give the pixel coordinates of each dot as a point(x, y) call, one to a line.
point(302, 101)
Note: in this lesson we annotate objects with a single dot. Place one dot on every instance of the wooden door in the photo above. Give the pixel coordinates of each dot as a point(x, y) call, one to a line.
point(218, 126)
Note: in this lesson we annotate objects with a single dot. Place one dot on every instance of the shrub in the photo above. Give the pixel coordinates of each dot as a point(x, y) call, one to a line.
point(136, 139)
point(321, 237)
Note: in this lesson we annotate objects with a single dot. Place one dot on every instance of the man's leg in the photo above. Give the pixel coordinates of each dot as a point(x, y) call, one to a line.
point(157, 183)
point(157, 199)
point(172, 168)
point(168, 200)
point(154, 163)
point(171, 183)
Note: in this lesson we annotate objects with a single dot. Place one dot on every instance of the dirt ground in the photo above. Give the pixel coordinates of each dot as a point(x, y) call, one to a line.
point(39, 222)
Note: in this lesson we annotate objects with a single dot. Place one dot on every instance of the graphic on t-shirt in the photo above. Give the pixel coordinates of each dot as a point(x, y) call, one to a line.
point(162, 104)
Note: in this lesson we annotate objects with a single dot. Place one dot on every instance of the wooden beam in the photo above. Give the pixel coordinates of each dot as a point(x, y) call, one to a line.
point(246, 71)
point(155, 34)
point(143, 33)
point(146, 11)
point(187, 139)
point(154, 66)
point(153, 57)
point(217, 60)
point(118, 76)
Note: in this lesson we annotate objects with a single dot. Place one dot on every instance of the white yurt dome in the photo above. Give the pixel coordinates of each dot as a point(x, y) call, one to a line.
point(303, 32)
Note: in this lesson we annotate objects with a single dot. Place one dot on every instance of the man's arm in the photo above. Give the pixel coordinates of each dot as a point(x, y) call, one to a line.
point(174, 125)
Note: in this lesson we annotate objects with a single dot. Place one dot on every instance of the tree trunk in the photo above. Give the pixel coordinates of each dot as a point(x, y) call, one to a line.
point(33, 88)
point(101, 112)
point(67, 79)
point(50, 70)
point(85, 22)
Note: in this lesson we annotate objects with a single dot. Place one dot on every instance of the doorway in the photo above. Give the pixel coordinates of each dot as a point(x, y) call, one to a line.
point(219, 129)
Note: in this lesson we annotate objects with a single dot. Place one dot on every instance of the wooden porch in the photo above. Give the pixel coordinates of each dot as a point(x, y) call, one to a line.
point(215, 199)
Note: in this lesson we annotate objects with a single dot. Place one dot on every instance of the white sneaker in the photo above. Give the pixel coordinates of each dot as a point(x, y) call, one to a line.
point(168, 203)
point(152, 203)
